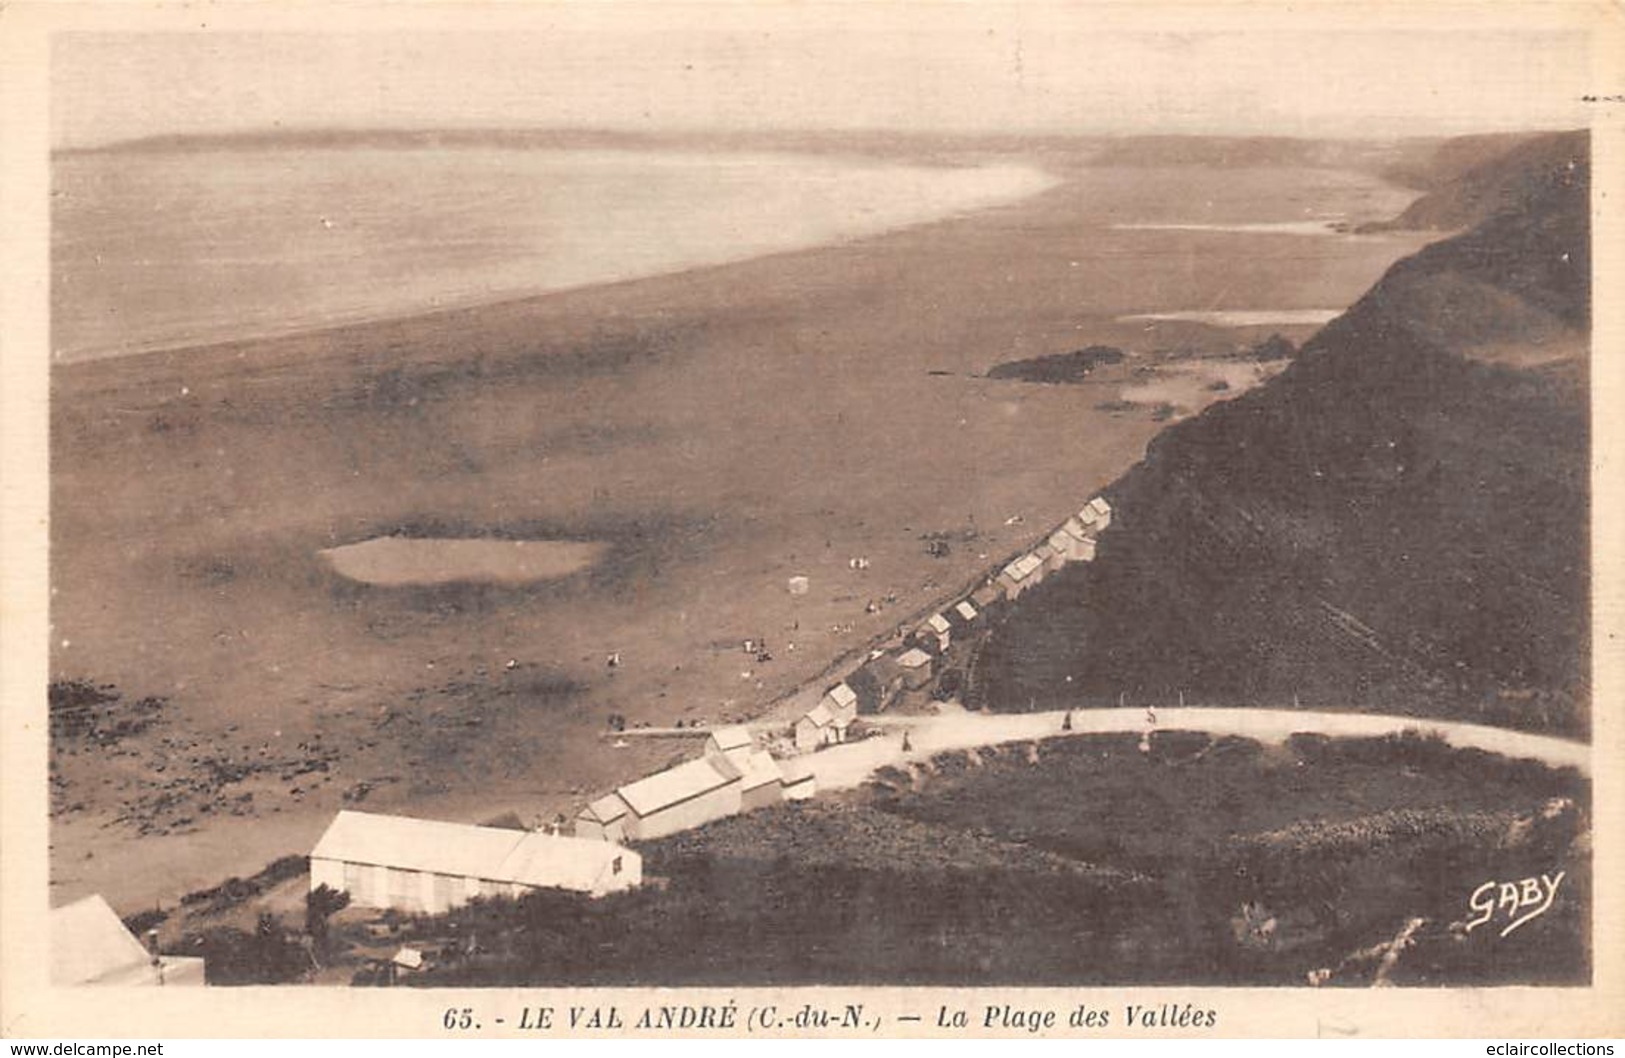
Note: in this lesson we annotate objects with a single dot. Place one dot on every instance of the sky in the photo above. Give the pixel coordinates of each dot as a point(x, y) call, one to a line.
point(915, 66)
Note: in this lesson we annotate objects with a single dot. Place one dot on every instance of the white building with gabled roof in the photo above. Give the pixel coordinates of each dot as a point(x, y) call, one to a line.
point(916, 665)
point(816, 728)
point(761, 782)
point(842, 703)
point(1013, 578)
point(1096, 515)
point(725, 740)
point(799, 782)
point(90, 945)
point(689, 795)
point(1059, 547)
point(1021, 574)
point(877, 682)
point(1084, 548)
point(604, 819)
point(428, 866)
point(1073, 542)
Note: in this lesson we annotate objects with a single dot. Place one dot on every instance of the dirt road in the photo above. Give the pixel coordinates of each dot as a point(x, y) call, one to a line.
point(843, 767)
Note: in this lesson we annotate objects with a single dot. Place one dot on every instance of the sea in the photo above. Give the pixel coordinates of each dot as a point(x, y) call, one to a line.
point(155, 249)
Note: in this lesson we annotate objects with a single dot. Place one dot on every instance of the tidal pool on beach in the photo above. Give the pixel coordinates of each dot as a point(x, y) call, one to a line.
point(1243, 317)
point(399, 561)
point(1285, 227)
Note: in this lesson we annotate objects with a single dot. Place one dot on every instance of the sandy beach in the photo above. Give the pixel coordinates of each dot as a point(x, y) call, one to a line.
point(719, 430)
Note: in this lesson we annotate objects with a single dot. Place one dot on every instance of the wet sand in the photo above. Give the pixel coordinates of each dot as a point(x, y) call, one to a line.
point(720, 430)
point(402, 562)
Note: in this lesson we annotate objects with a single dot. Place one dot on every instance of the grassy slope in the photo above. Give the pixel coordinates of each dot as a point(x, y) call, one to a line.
point(1342, 840)
point(1475, 177)
point(1390, 524)
point(979, 873)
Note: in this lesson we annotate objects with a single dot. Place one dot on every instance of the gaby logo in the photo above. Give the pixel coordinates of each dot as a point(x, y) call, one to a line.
point(1520, 901)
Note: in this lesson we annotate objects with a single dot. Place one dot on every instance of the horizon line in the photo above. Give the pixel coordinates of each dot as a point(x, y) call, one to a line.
point(761, 132)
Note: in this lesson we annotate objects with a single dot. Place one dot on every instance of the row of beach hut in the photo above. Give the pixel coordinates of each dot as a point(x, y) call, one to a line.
point(887, 673)
point(424, 866)
point(734, 775)
point(1072, 541)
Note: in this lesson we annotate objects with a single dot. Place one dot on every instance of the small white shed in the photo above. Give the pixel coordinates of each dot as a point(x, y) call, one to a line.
point(799, 784)
point(604, 819)
point(916, 665)
point(1096, 515)
point(817, 728)
point(725, 740)
point(761, 783)
point(842, 703)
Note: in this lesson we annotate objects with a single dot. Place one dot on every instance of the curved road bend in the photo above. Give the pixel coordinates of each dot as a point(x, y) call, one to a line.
point(845, 766)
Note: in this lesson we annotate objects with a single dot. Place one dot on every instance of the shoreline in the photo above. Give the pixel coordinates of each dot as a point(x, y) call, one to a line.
point(357, 339)
point(732, 424)
point(1033, 180)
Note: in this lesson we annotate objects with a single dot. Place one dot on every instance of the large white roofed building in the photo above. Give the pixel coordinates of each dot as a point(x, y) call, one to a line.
point(428, 866)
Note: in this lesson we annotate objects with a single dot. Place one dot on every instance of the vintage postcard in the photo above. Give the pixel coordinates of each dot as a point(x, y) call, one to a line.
point(844, 520)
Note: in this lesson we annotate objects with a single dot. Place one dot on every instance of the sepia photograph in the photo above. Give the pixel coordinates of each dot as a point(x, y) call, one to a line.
point(1055, 498)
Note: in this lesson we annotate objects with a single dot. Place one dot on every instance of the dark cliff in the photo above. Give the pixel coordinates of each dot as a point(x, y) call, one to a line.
point(1398, 522)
